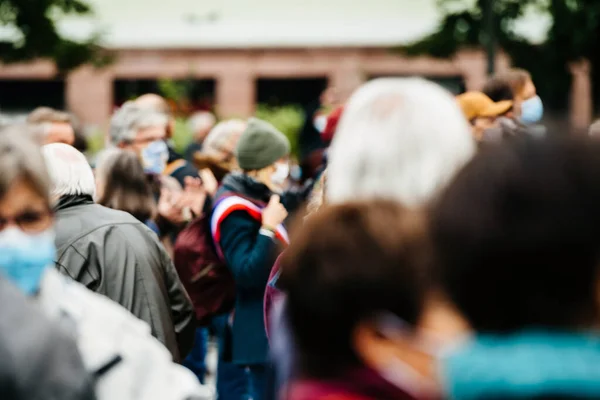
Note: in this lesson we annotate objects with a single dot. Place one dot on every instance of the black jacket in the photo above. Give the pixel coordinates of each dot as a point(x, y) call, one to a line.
point(112, 253)
point(38, 360)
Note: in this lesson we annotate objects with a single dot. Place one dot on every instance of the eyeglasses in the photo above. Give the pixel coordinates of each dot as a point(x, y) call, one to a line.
point(29, 221)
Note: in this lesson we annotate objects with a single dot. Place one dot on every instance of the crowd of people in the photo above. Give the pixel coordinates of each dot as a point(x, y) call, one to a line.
point(434, 247)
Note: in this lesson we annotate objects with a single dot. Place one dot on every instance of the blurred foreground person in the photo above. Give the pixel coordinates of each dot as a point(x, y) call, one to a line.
point(517, 235)
point(126, 362)
point(39, 359)
point(200, 124)
point(56, 124)
point(400, 139)
point(481, 112)
point(357, 329)
point(112, 253)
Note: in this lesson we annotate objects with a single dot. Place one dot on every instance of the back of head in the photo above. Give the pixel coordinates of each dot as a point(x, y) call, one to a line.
point(329, 290)
point(518, 233)
point(499, 89)
point(125, 185)
point(223, 139)
point(21, 158)
point(46, 114)
point(154, 102)
point(130, 118)
point(69, 170)
point(400, 139)
point(201, 121)
point(516, 78)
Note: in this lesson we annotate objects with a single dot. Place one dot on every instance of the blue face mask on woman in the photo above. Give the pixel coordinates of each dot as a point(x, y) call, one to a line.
point(25, 257)
point(155, 157)
point(532, 110)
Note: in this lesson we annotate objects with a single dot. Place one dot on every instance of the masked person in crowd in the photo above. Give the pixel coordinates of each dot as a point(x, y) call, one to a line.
point(126, 362)
point(516, 235)
point(112, 253)
point(57, 125)
point(481, 112)
point(199, 124)
point(248, 232)
point(515, 85)
point(142, 130)
point(176, 167)
point(355, 311)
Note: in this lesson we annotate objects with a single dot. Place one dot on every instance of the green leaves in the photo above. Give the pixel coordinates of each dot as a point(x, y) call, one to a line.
point(36, 36)
point(574, 34)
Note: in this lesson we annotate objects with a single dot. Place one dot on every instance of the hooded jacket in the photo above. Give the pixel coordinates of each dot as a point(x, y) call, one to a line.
point(113, 254)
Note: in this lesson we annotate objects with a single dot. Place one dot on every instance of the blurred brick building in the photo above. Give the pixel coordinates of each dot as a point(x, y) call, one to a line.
point(237, 44)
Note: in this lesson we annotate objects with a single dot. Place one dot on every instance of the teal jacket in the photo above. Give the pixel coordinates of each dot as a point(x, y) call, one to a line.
point(525, 365)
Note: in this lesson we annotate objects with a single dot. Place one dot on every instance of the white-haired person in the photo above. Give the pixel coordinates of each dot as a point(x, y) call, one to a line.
point(114, 254)
point(199, 124)
point(398, 139)
point(117, 350)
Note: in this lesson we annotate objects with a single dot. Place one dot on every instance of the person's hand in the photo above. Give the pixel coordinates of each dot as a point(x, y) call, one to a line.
point(194, 195)
point(274, 214)
point(209, 181)
point(170, 206)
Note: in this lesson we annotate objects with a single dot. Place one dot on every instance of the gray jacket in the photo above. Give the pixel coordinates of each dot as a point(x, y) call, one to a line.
point(113, 254)
point(38, 361)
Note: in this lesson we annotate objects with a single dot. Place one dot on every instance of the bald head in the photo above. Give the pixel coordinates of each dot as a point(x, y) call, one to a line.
point(69, 170)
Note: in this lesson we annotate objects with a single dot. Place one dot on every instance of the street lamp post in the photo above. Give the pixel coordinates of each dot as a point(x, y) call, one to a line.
point(490, 37)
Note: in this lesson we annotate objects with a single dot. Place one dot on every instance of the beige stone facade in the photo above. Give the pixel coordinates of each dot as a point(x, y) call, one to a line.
point(89, 91)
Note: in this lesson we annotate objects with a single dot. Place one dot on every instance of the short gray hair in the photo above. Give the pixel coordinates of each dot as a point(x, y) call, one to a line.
point(20, 158)
point(69, 170)
point(223, 138)
point(399, 139)
point(130, 118)
point(201, 121)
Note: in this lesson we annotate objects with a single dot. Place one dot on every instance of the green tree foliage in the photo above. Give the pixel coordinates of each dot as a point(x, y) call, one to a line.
point(574, 34)
point(32, 24)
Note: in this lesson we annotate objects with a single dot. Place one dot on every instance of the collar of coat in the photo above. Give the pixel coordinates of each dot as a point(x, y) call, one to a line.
point(73, 200)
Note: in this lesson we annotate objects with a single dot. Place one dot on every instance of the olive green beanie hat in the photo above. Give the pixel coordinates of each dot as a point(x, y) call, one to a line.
point(261, 145)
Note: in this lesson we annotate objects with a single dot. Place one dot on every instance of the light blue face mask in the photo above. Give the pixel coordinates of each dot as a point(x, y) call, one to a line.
point(24, 258)
point(155, 157)
point(532, 110)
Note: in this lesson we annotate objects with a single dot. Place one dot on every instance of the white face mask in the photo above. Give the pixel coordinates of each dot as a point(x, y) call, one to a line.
point(282, 172)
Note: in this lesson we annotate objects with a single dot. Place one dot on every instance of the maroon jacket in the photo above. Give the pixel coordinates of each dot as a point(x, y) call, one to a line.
point(362, 384)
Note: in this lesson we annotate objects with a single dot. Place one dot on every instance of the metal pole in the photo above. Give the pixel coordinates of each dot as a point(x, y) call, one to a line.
point(490, 37)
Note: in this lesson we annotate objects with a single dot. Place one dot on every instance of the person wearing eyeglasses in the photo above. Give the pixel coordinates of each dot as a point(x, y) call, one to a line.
point(116, 348)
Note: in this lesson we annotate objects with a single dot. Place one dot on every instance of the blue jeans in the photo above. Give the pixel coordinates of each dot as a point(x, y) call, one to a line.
point(196, 360)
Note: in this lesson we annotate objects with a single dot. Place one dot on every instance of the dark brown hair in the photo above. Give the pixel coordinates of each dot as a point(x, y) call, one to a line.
point(345, 265)
point(127, 187)
point(517, 235)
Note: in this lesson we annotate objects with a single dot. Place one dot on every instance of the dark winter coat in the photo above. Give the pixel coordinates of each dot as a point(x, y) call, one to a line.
point(114, 254)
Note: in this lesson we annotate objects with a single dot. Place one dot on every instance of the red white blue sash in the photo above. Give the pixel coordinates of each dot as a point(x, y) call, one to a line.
point(229, 204)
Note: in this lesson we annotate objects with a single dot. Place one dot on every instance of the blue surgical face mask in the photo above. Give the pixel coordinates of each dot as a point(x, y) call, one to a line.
point(155, 157)
point(532, 110)
point(24, 257)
